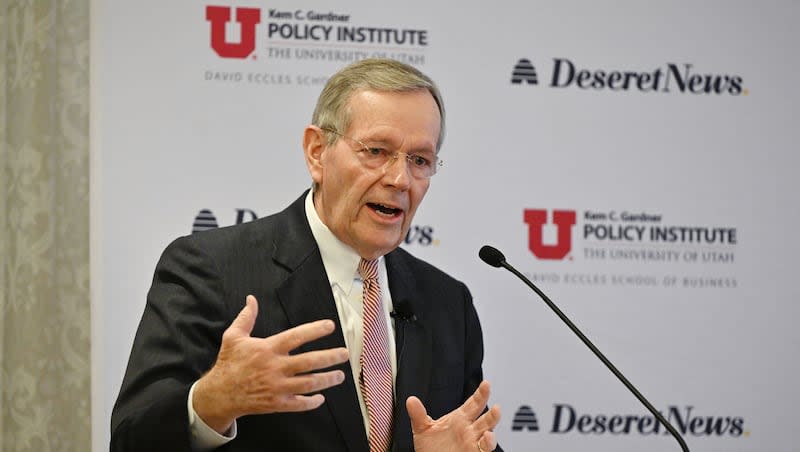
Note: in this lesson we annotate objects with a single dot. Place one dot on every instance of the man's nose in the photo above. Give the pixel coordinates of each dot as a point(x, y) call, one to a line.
point(398, 171)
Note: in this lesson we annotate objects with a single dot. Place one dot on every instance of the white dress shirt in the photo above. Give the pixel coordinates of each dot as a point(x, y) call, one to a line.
point(341, 265)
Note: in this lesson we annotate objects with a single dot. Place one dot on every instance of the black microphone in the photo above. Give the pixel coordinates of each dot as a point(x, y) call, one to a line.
point(402, 311)
point(495, 258)
point(403, 315)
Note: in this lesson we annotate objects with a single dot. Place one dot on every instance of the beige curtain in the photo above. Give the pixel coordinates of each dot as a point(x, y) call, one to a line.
point(44, 226)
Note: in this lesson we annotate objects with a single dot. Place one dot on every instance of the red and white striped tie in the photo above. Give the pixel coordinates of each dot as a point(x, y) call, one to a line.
point(376, 370)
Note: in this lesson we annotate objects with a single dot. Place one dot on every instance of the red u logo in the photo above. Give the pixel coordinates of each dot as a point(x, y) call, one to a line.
point(248, 18)
point(536, 219)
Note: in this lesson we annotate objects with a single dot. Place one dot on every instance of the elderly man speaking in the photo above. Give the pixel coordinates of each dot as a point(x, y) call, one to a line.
point(310, 330)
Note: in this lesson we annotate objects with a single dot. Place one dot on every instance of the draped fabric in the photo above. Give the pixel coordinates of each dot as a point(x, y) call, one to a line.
point(44, 226)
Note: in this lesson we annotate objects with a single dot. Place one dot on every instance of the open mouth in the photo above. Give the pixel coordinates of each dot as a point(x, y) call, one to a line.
point(384, 210)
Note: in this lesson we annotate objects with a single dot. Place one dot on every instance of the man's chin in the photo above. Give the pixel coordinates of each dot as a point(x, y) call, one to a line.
point(380, 248)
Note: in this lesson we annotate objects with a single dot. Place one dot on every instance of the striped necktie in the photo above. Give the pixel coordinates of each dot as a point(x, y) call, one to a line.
point(376, 370)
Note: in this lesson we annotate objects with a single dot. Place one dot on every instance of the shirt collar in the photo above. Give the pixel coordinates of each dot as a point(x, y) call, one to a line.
point(340, 261)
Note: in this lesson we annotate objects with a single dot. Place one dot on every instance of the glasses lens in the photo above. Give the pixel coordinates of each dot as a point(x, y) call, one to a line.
point(421, 166)
point(374, 158)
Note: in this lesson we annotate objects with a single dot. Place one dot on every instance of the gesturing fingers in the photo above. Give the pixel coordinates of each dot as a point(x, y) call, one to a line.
point(318, 359)
point(307, 384)
point(295, 403)
point(298, 391)
point(459, 430)
point(288, 340)
point(475, 404)
point(488, 420)
point(487, 441)
point(243, 323)
point(420, 421)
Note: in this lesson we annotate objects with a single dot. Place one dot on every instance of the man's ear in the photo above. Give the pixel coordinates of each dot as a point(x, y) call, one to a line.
point(314, 144)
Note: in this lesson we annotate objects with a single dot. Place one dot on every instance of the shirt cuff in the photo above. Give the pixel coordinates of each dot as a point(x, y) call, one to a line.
point(203, 437)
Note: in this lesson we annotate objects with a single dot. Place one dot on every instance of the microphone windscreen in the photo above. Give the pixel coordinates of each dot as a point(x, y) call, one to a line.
point(491, 256)
point(403, 308)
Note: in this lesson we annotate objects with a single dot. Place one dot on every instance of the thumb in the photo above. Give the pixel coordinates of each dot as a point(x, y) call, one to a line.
point(244, 322)
point(420, 421)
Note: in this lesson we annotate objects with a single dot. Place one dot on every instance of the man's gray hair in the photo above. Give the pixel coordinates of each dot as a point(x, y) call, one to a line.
point(377, 74)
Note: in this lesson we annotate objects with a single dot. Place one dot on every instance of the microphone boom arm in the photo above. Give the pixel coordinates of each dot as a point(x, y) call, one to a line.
point(502, 262)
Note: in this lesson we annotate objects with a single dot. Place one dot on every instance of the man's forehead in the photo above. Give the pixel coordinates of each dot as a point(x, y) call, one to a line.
point(365, 101)
point(366, 94)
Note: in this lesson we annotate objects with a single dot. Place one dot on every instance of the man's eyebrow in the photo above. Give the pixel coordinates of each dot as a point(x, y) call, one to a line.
point(380, 138)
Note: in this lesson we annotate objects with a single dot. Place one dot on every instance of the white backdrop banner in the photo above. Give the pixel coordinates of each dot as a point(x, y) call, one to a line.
point(636, 159)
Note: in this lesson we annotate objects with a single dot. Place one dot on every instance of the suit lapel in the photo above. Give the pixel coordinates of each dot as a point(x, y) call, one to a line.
point(413, 342)
point(306, 296)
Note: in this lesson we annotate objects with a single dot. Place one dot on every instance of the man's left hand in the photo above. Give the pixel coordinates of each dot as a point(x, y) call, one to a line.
point(463, 429)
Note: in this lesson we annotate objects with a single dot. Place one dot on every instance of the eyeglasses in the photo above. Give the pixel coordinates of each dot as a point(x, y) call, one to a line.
point(422, 166)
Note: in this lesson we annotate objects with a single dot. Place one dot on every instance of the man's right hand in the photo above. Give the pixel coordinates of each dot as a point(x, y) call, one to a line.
point(257, 376)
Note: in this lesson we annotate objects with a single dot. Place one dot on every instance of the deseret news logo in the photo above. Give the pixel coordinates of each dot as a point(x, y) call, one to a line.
point(205, 219)
point(687, 420)
point(418, 235)
point(524, 71)
point(422, 235)
point(672, 77)
point(525, 419)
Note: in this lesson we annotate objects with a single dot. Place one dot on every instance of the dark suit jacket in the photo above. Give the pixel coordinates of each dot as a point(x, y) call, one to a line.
point(199, 287)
